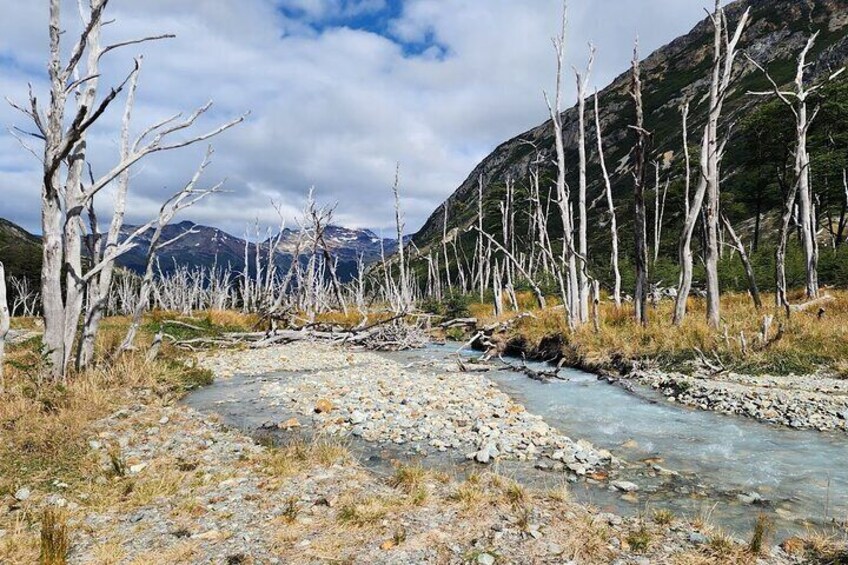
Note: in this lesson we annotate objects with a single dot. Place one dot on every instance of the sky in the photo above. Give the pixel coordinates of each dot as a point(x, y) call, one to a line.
point(339, 92)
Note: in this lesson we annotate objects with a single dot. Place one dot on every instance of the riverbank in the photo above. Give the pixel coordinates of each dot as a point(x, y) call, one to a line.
point(793, 375)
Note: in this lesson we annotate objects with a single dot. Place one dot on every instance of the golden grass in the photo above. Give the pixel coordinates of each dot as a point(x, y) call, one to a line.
point(808, 343)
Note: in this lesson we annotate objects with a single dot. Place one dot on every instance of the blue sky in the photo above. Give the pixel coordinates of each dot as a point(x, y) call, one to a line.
point(339, 92)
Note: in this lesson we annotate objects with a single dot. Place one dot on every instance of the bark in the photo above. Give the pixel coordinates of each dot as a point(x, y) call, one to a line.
point(640, 295)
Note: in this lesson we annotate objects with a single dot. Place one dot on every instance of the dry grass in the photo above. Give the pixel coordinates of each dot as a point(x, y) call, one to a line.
point(808, 342)
point(298, 456)
point(55, 541)
point(408, 478)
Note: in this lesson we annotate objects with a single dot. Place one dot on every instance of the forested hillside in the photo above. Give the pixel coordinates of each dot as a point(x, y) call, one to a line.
point(756, 169)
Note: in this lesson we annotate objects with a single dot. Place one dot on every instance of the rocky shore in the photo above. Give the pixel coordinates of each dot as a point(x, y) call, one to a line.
point(434, 408)
point(801, 402)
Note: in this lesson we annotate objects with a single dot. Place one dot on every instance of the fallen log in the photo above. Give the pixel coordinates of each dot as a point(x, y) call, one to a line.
point(541, 376)
point(811, 303)
point(459, 322)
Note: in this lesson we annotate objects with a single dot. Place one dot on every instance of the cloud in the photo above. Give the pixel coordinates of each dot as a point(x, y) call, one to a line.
point(339, 92)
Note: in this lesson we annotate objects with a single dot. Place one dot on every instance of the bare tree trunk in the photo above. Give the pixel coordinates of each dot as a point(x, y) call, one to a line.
point(570, 290)
point(99, 287)
point(746, 263)
point(687, 186)
point(5, 320)
point(610, 207)
point(399, 224)
point(582, 220)
point(482, 281)
point(685, 250)
point(640, 220)
point(706, 201)
point(445, 249)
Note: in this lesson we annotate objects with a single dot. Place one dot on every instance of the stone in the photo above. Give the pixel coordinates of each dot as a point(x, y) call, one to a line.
point(289, 424)
point(749, 498)
point(485, 559)
point(624, 486)
point(323, 406)
point(22, 494)
point(357, 417)
point(698, 538)
point(137, 468)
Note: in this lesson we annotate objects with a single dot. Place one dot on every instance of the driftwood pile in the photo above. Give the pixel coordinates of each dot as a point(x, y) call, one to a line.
point(392, 334)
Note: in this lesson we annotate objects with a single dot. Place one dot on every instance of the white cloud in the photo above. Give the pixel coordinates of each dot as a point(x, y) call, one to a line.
point(332, 106)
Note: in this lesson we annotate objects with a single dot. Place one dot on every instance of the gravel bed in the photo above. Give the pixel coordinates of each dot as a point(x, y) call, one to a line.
point(803, 402)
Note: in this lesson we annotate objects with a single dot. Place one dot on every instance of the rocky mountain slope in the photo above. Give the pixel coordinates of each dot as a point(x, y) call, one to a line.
point(20, 251)
point(678, 71)
point(204, 246)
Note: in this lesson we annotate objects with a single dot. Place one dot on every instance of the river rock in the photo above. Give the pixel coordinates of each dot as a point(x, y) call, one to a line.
point(485, 559)
point(624, 486)
point(322, 406)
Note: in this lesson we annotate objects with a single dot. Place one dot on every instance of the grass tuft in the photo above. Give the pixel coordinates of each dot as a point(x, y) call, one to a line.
point(55, 541)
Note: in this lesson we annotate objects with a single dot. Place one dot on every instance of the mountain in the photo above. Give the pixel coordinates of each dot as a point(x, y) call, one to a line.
point(202, 246)
point(676, 72)
point(207, 247)
point(20, 251)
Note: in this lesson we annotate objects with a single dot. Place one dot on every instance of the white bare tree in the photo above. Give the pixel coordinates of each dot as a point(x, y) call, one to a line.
point(802, 190)
point(64, 195)
point(610, 206)
point(5, 320)
point(582, 219)
point(707, 193)
point(568, 258)
point(640, 221)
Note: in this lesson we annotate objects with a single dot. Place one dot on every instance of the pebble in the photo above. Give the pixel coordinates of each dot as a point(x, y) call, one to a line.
point(22, 494)
point(485, 559)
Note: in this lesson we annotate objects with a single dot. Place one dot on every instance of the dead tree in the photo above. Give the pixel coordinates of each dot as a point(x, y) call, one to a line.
point(610, 206)
point(711, 169)
point(64, 197)
point(640, 295)
point(796, 101)
point(186, 197)
point(25, 297)
point(707, 193)
point(405, 290)
point(5, 320)
point(582, 220)
point(746, 263)
point(479, 257)
point(568, 259)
